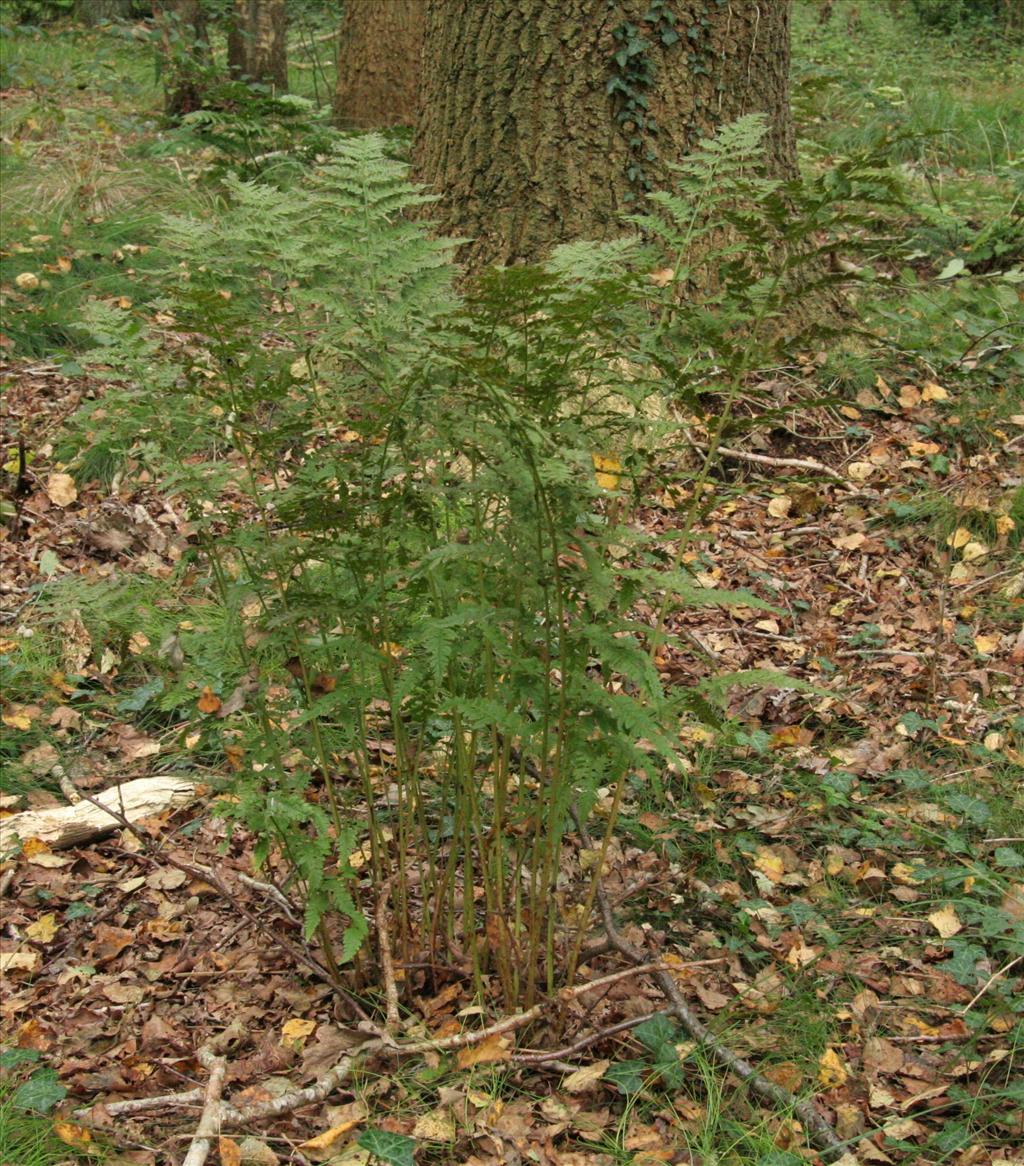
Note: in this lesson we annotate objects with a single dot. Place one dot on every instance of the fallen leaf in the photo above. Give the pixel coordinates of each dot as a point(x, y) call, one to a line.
point(607, 470)
point(44, 928)
point(860, 471)
point(295, 1031)
point(61, 489)
point(436, 1126)
point(585, 1078)
point(78, 1137)
point(831, 1070)
point(18, 961)
point(780, 507)
point(327, 1139)
point(946, 921)
point(208, 701)
point(493, 1049)
point(933, 392)
point(230, 1152)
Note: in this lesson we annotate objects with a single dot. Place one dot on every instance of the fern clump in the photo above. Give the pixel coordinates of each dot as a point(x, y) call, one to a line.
point(414, 508)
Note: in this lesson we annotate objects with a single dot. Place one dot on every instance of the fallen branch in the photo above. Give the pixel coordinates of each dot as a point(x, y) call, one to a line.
point(63, 826)
point(819, 1131)
point(762, 459)
point(210, 1119)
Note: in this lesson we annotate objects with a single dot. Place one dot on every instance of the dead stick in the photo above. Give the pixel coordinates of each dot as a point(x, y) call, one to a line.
point(144, 1104)
point(821, 1134)
point(210, 1119)
point(762, 459)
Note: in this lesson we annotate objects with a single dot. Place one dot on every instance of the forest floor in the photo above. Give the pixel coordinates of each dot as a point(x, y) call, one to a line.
point(840, 882)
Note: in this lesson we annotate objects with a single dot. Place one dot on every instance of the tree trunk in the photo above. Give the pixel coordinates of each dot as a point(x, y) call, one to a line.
point(257, 49)
point(379, 51)
point(185, 51)
point(542, 123)
point(93, 12)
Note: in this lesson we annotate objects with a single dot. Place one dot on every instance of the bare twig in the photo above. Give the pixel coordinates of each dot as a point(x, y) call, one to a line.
point(991, 980)
point(537, 1057)
point(821, 1134)
point(145, 1104)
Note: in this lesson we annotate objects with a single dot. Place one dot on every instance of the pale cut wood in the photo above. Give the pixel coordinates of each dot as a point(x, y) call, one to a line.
point(61, 826)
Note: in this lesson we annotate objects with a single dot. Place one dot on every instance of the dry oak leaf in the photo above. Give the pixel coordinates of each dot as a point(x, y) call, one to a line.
point(61, 489)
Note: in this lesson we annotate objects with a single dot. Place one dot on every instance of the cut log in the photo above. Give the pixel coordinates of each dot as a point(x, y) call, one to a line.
point(60, 826)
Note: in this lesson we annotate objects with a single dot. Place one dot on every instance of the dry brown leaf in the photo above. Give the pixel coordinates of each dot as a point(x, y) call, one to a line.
point(491, 1050)
point(61, 489)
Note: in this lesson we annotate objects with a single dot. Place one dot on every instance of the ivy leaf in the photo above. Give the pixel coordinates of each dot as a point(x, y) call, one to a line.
point(669, 36)
point(393, 1149)
point(11, 1058)
point(40, 1092)
point(627, 1075)
point(655, 1033)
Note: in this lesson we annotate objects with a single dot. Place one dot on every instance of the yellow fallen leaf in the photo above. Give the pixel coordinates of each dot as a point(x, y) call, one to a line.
point(850, 542)
point(946, 921)
point(78, 1137)
point(436, 1126)
point(230, 1152)
point(493, 1049)
point(61, 489)
point(779, 507)
point(910, 395)
point(769, 864)
point(860, 471)
point(831, 1071)
point(44, 928)
point(327, 1139)
point(20, 716)
point(974, 551)
point(585, 1078)
point(295, 1030)
point(933, 392)
point(607, 471)
point(959, 538)
point(986, 645)
point(15, 961)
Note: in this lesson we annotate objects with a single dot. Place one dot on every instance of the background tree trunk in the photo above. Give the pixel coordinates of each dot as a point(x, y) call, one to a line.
point(92, 12)
point(534, 132)
point(379, 52)
point(185, 49)
point(257, 46)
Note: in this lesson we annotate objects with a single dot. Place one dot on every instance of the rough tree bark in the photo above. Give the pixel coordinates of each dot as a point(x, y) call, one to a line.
point(532, 130)
point(185, 50)
point(379, 50)
point(257, 46)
